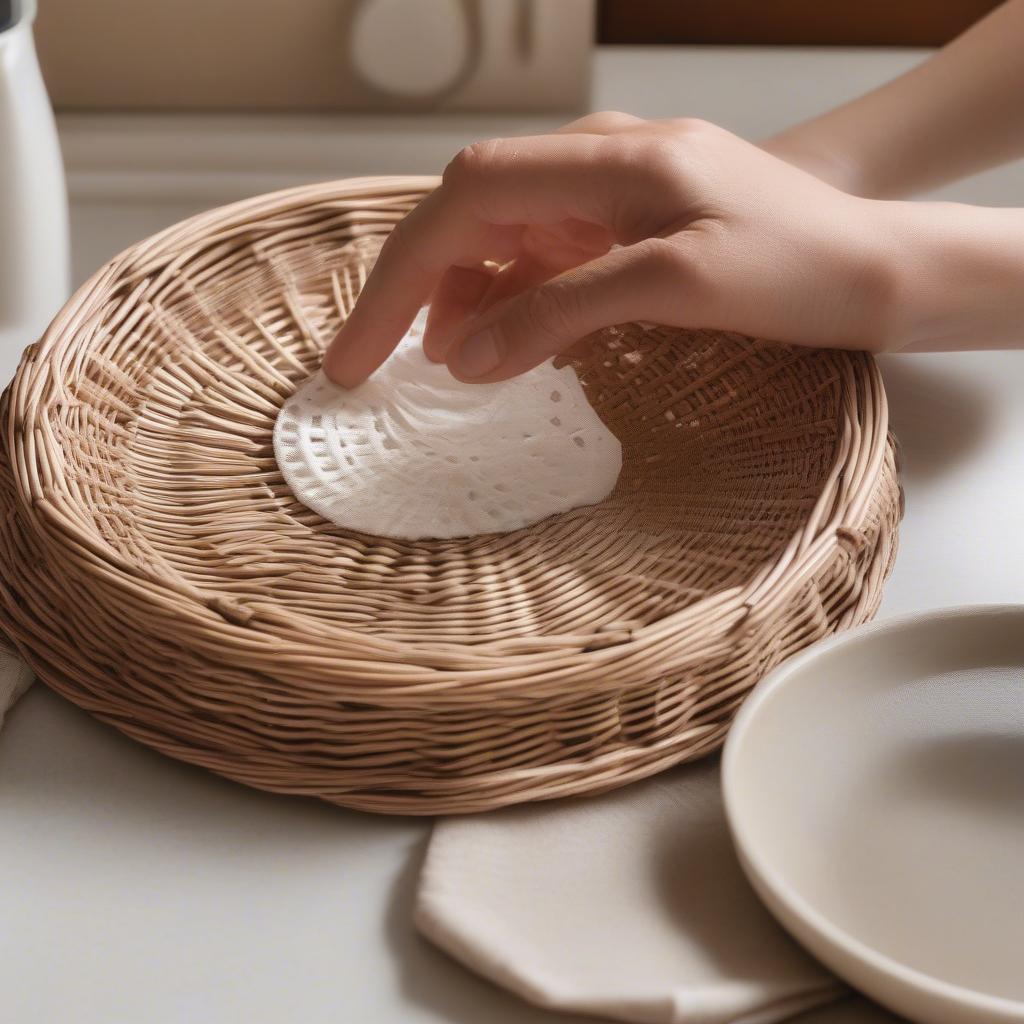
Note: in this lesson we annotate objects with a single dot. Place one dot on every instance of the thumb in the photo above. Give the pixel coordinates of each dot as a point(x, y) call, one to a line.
point(655, 279)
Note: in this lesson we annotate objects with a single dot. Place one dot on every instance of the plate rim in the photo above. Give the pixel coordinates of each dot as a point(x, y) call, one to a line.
point(777, 893)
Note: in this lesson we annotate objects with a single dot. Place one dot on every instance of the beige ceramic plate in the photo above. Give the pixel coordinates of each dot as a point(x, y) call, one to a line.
point(874, 785)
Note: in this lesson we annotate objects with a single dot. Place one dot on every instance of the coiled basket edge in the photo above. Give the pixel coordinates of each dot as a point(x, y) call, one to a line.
point(157, 571)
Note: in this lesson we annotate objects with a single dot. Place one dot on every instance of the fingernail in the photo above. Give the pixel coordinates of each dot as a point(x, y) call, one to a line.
point(478, 355)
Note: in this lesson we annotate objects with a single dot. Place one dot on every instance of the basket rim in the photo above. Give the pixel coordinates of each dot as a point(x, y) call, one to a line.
point(840, 510)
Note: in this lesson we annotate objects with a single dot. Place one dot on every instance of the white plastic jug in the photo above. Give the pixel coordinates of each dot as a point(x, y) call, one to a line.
point(34, 251)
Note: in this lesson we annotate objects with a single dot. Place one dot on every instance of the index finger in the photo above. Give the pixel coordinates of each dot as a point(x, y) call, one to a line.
point(399, 284)
point(488, 193)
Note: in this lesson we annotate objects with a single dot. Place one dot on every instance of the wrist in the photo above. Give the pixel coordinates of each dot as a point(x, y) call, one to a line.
point(951, 276)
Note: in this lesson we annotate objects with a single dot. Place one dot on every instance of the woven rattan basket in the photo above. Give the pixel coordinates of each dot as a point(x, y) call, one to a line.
point(158, 572)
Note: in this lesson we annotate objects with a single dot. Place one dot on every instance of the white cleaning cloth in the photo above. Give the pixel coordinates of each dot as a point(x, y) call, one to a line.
point(630, 905)
point(412, 453)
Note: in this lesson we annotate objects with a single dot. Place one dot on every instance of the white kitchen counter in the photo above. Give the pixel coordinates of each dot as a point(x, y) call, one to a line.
point(200, 901)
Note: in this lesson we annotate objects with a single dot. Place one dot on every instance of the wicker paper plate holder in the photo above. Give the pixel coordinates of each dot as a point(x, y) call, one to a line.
point(157, 571)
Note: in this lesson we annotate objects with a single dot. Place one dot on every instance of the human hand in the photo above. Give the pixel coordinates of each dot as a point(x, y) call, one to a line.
point(608, 220)
point(614, 219)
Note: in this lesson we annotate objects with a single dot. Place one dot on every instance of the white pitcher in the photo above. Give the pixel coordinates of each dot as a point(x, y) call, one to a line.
point(34, 250)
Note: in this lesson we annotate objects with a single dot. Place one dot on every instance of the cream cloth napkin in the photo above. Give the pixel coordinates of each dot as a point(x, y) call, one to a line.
point(850, 1011)
point(15, 678)
point(630, 905)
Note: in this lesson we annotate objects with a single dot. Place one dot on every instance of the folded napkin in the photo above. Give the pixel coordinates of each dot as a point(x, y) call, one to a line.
point(849, 1011)
point(15, 678)
point(630, 905)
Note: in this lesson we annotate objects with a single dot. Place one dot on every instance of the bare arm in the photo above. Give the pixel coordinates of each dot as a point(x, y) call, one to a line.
point(959, 112)
point(614, 219)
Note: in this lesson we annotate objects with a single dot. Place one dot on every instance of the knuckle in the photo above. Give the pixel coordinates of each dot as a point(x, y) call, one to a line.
point(660, 154)
point(672, 163)
point(472, 162)
point(611, 119)
point(665, 259)
point(661, 158)
point(692, 127)
point(551, 313)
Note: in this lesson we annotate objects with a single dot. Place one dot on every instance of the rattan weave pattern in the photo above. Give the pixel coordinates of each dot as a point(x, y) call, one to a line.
point(157, 571)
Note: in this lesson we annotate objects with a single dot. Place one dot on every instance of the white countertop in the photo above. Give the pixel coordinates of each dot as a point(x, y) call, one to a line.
point(266, 909)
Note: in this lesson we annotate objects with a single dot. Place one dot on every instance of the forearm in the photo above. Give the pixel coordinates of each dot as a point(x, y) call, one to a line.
point(956, 113)
point(955, 276)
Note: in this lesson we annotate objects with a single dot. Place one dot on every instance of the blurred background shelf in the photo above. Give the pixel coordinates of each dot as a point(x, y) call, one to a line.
point(130, 174)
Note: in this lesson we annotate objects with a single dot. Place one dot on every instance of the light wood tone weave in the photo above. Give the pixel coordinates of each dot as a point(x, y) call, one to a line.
point(158, 572)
